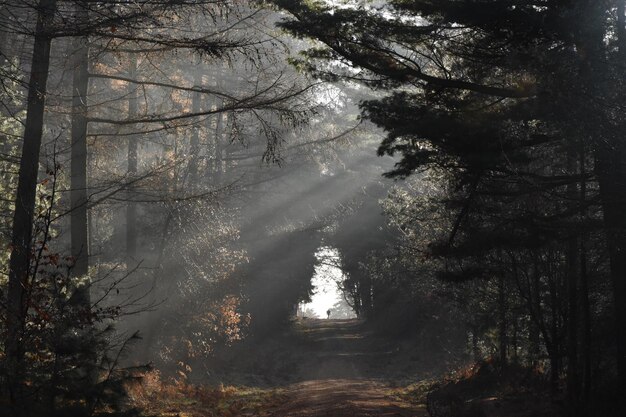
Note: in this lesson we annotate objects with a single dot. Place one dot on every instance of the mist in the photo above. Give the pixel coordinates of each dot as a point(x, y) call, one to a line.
point(296, 208)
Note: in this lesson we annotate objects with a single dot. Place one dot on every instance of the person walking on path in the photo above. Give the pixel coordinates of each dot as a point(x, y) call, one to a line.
point(328, 314)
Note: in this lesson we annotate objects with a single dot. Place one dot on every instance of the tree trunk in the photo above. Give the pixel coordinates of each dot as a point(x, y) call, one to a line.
point(586, 329)
point(613, 194)
point(228, 143)
point(584, 287)
point(621, 29)
point(609, 166)
point(78, 194)
point(194, 145)
point(502, 322)
point(533, 341)
point(555, 370)
point(609, 152)
point(131, 206)
point(573, 392)
point(475, 348)
point(536, 317)
point(79, 224)
point(8, 39)
point(366, 294)
point(219, 150)
point(19, 264)
point(554, 348)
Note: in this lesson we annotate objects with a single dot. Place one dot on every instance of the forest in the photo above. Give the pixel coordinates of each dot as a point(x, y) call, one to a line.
point(303, 208)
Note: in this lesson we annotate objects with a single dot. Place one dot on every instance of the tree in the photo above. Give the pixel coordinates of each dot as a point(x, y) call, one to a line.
point(86, 24)
point(78, 182)
point(483, 90)
point(19, 267)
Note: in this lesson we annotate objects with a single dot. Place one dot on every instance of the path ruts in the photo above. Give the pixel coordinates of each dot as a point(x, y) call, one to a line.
point(338, 376)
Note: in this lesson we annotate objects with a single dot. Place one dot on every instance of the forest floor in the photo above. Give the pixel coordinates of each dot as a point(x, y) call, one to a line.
point(345, 371)
point(320, 349)
point(325, 368)
point(340, 368)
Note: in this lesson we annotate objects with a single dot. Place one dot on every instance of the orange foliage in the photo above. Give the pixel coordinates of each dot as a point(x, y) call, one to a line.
point(205, 328)
point(156, 395)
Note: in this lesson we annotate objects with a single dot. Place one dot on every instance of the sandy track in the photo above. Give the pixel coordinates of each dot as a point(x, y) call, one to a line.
point(336, 386)
point(343, 398)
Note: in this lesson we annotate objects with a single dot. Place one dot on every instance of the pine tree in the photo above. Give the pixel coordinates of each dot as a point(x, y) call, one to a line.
point(514, 100)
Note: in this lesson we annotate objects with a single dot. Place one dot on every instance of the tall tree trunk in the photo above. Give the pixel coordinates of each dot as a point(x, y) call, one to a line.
point(584, 286)
point(586, 329)
point(621, 29)
point(514, 341)
point(615, 195)
point(475, 348)
point(131, 206)
point(609, 166)
point(78, 194)
point(19, 263)
point(194, 145)
point(533, 341)
point(502, 322)
point(573, 391)
point(366, 294)
point(229, 138)
point(536, 315)
point(219, 147)
point(554, 348)
point(596, 80)
point(8, 48)
point(79, 224)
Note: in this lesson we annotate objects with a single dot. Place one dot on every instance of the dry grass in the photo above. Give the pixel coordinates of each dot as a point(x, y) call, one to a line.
point(484, 390)
point(414, 393)
point(176, 398)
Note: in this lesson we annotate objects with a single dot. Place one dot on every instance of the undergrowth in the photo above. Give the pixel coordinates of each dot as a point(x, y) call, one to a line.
point(162, 397)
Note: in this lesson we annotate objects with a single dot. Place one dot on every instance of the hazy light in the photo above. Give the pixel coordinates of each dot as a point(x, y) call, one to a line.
point(326, 280)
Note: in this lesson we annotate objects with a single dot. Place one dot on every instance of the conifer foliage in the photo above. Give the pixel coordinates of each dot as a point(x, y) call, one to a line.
point(514, 108)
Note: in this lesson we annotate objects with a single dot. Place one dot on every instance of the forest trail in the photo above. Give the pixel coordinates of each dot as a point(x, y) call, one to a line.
point(344, 373)
point(330, 368)
point(320, 349)
point(344, 398)
point(341, 349)
point(312, 368)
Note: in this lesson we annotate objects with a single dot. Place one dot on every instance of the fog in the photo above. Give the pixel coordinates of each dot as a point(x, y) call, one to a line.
point(312, 208)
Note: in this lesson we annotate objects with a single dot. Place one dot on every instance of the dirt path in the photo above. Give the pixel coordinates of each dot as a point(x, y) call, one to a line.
point(344, 398)
point(315, 368)
point(337, 368)
point(343, 373)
